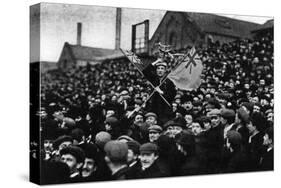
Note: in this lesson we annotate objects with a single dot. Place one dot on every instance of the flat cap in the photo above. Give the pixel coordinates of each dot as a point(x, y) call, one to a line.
point(116, 151)
point(134, 146)
point(151, 114)
point(214, 112)
point(155, 128)
point(148, 148)
point(227, 113)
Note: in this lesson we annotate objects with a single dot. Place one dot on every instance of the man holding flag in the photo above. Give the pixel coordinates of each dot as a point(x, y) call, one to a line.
point(156, 73)
point(185, 76)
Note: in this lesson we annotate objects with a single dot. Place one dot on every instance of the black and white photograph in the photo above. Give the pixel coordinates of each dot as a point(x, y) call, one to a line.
point(119, 93)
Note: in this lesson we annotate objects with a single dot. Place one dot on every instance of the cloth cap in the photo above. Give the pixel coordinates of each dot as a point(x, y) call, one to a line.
point(161, 63)
point(116, 151)
point(102, 138)
point(234, 137)
point(134, 146)
point(173, 123)
point(148, 148)
point(155, 128)
point(111, 121)
point(227, 113)
point(214, 112)
point(150, 114)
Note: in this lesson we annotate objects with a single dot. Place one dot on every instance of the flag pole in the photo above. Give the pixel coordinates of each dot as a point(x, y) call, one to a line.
point(147, 80)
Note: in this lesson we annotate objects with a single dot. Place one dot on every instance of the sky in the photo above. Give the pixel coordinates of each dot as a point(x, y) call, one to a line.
point(58, 24)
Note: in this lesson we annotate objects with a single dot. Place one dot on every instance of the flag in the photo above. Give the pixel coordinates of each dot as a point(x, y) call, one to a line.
point(133, 58)
point(187, 75)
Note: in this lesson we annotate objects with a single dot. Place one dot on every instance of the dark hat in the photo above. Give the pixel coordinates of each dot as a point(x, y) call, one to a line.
point(116, 151)
point(77, 134)
point(61, 139)
point(102, 138)
point(91, 150)
point(234, 137)
point(148, 148)
point(204, 119)
point(173, 123)
point(150, 114)
point(134, 146)
point(197, 103)
point(248, 105)
point(214, 102)
point(76, 151)
point(113, 121)
point(155, 128)
point(214, 112)
point(227, 113)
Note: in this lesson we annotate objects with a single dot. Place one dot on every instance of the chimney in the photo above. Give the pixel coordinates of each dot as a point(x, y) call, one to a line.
point(118, 28)
point(79, 32)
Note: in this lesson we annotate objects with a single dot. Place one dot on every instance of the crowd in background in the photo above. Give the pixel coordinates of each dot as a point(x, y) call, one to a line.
point(91, 130)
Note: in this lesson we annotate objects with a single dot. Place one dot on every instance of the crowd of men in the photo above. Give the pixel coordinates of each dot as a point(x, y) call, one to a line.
point(95, 125)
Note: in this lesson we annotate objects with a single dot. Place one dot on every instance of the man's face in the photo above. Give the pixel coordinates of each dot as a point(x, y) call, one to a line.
point(138, 118)
point(160, 71)
point(255, 100)
point(187, 105)
point(108, 127)
point(88, 167)
point(71, 162)
point(153, 136)
point(64, 145)
point(256, 109)
point(131, 156)
point(269, 117)
point(215, 120)
point(250, 127)
point(151, 120)
point(147, 159)
point(197, 109)
point(196, 128)
point(188, 118)
point(207, 125)
point(173, 131)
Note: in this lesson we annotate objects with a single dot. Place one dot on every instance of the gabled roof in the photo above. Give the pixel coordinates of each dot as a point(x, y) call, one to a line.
point(211, 23)
point(267, 25)
point(93, 54)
